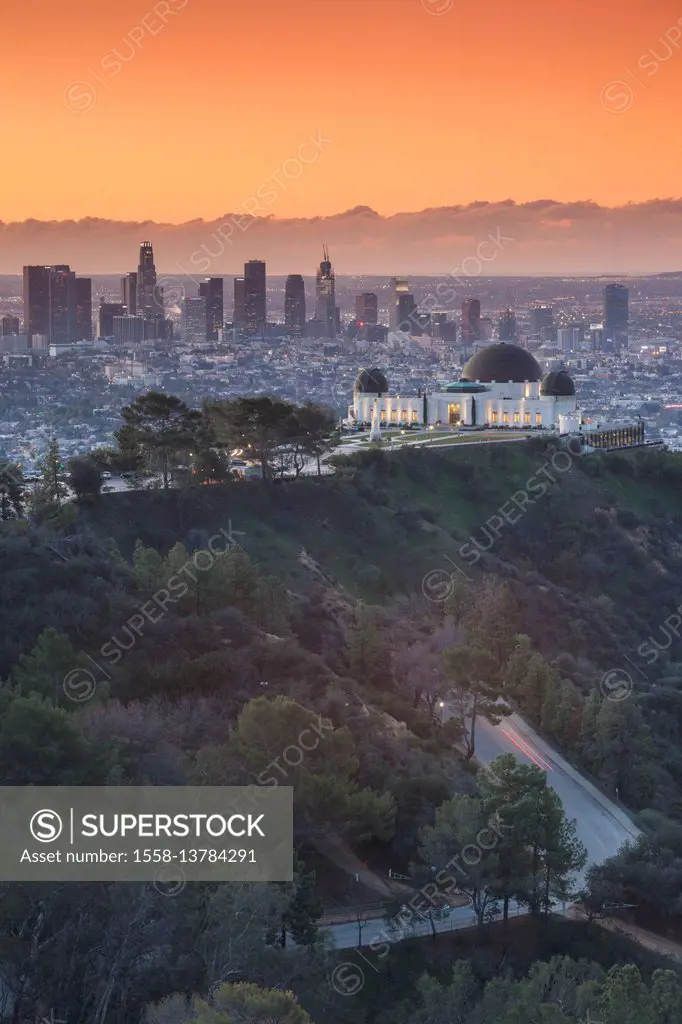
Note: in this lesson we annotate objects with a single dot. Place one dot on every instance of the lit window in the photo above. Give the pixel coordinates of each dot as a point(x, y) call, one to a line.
point(494, 417)
point(383, 415)
point(526, 417)
point(415, 416)
point(505, 417)
point(517, 417)
point(538, 419)
point(394, 415)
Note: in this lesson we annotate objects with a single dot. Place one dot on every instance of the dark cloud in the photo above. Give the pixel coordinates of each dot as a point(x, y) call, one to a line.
point(542, 237)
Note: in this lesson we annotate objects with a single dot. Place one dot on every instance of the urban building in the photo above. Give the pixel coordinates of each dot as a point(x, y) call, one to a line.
point(471, 321)
point(616, 311)
point(255, 298)
point(62, 298)
point(407, 310)
point(501, 386)
point(129, 292)
point(194, 319)
point(238, 315)
point(149, 294)
point(366, 308)
point(37, 300)
point(128, 329)
point(399, 286)
point(325, 298)
point(211, 289)
point(9, 325)
point(107, 312)
point(542, 321)
point(83, 309)
point(506, 330)
point(294, 305)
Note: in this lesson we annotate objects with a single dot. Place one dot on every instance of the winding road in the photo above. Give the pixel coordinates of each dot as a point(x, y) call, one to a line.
point(601, 825)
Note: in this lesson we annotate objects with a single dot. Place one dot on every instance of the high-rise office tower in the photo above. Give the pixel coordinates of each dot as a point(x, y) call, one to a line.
point(407, 319)
point(129, 330)
point(62, 293)
point(107, 312)
point(239, 315)
point(366, 308)
point(211, 289)
point(294, 305)
point(616, 309)
point(507, 327)
point(9, 325)
point(542, 321)
point(399, 286)
point(37, 300)
point(83, 309)
point(149, 293)
point(194, 314)
point(325, 296)
point(254, 298)
point(84, 330)
point(471, 321)
point(129, 292)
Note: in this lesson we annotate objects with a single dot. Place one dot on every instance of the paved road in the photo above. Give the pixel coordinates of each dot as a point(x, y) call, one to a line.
point(601, 825)
point(345, 936)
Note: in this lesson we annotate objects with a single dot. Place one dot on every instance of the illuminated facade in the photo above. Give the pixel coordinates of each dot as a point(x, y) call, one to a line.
point(481, 398)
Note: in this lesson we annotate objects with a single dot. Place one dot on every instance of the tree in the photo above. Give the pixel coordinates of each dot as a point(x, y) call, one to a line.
point(162, 427)
point(84, 477)
point(305, 908)
point(279, 742)
point(366, 652)
point(510, 792)
point(459, 824)
point(246, 1003)
point(256, 426)
point(51, 489)
point(562, 853)
point(309, 427)
point(493, 619)
point(46, 667)
point(11, 492)
point(44, 746)
point(474, 674)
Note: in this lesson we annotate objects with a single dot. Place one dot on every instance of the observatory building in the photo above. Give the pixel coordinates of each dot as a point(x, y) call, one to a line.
point(501, 386)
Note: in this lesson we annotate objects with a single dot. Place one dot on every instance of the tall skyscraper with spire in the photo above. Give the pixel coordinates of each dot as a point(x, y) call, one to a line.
point(325, 306)
point(149, 294)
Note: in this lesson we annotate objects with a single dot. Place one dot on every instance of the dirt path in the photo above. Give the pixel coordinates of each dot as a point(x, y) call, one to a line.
point(652, 941)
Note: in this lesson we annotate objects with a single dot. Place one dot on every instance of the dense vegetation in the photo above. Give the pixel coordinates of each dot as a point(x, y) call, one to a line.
point(335, 601)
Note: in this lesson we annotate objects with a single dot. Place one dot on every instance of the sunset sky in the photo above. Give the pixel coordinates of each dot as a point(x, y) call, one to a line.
point(487, 101)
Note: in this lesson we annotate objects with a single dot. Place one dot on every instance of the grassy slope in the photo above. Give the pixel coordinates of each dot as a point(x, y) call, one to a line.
point(381, 524)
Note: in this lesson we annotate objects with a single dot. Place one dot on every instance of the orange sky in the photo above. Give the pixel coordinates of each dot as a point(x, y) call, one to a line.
point(488, 100)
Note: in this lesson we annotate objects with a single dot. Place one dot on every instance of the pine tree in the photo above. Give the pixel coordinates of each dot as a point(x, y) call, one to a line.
point(51, 491)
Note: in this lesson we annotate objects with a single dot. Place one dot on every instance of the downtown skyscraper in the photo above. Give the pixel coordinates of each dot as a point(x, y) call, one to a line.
point(211, 289)
point(57, 304)
point(399, 286)
point(254, 298)
point(149, 293)
point(472, 329)
point(325, 297)
point(294, 305)
point(616, 309)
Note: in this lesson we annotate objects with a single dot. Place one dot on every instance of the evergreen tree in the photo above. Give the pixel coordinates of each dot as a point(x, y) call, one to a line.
point(51, 490)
